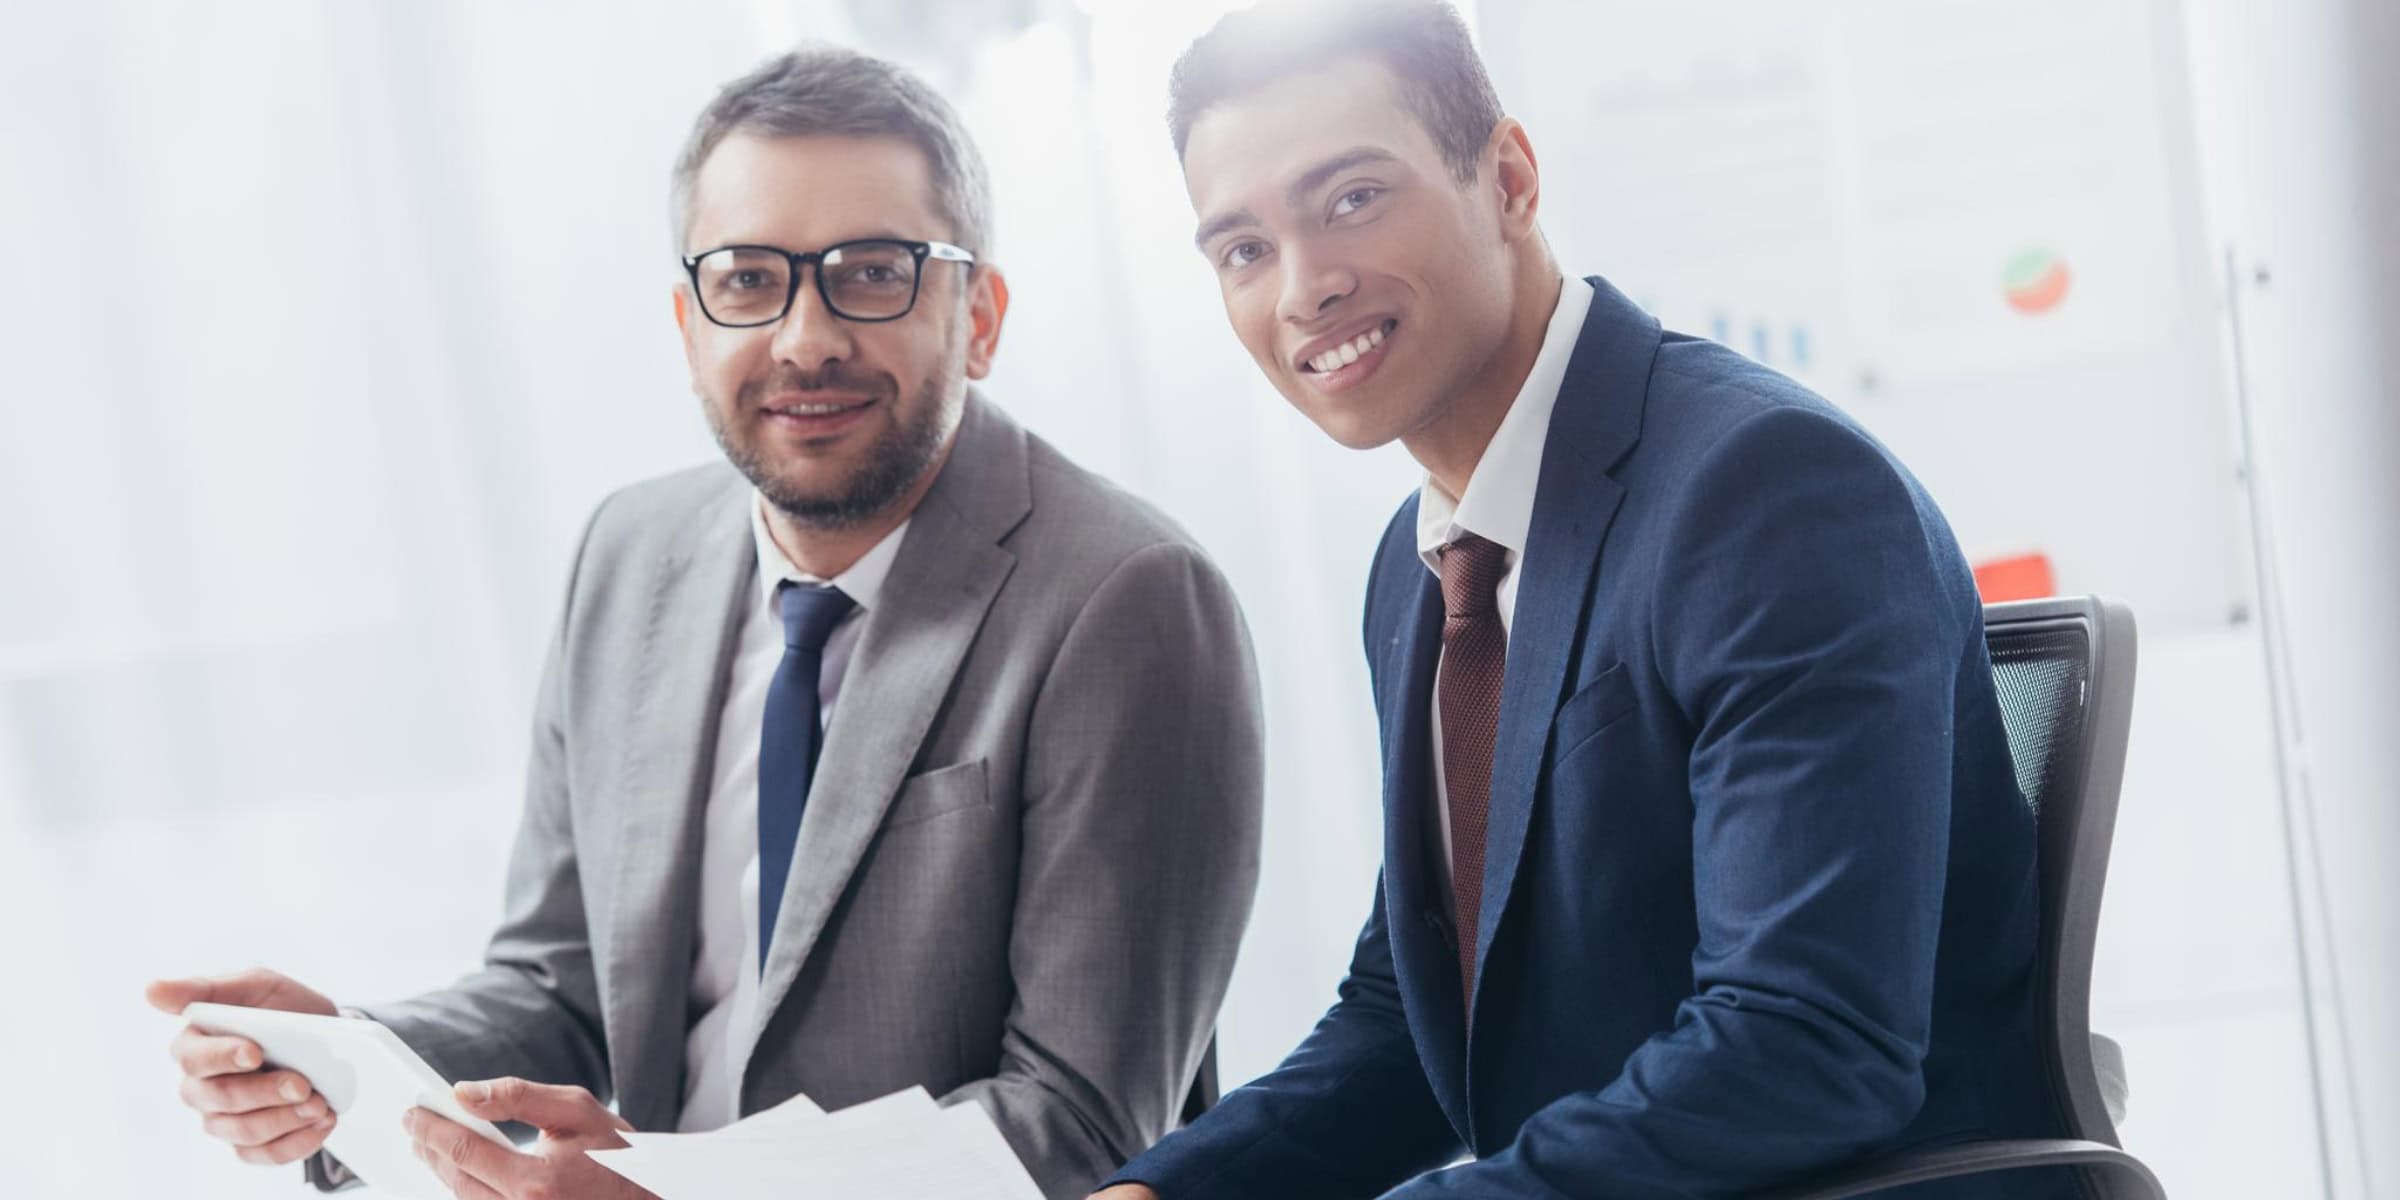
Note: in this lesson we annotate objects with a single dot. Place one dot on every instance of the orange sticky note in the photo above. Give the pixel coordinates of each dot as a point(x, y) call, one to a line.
point(2017, 577)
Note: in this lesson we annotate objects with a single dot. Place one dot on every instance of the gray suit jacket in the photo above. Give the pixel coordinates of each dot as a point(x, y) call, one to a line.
point(1026, 860)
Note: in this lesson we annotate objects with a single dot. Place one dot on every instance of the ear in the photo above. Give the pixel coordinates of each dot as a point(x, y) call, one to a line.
point(684, 325)
point(987, 307)
point(1518, 177)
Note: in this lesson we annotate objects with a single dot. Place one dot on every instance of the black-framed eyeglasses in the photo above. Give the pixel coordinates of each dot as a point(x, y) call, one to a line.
point(871, 279)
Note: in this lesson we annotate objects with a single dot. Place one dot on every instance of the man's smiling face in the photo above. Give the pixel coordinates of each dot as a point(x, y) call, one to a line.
point(1364, 280)
point(834, 420)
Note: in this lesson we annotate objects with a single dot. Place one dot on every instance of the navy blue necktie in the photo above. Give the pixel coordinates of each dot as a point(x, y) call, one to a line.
point(789, 740)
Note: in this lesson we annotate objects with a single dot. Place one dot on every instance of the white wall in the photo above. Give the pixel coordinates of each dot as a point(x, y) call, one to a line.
point(280, 566)
point(2301, 116)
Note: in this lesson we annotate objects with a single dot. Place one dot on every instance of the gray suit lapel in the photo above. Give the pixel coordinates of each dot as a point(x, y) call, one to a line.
point(943, 580)
point(676, 693)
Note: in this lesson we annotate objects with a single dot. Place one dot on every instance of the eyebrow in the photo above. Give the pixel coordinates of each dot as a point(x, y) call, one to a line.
point(1317, 176)
point(1221, 223)
point(754, 243)
point(1297, 194)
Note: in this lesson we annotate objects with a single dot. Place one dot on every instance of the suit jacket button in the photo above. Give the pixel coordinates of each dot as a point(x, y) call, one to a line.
point(1440, 921)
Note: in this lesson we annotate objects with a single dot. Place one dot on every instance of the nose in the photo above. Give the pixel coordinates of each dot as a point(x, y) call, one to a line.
point(1312, 286)
point(810, 336)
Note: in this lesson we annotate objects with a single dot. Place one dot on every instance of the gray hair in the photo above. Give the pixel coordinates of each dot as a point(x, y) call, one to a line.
point(832, 90)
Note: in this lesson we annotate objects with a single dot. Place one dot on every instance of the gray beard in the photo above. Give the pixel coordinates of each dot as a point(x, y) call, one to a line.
point(896, 463)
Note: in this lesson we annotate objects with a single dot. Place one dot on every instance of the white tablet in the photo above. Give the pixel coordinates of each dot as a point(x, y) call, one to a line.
point(369, 1076)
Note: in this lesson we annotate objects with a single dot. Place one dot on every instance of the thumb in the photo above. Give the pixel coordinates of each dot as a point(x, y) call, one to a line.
point(256, 988)
point(171, 995)
point(549, 1108)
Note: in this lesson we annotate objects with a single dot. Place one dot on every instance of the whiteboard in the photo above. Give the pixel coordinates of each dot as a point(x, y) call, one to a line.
point(1975, 225)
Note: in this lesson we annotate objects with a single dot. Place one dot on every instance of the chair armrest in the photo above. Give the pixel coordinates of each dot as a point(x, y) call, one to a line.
point(2127, 1178)
point(2108, 1062)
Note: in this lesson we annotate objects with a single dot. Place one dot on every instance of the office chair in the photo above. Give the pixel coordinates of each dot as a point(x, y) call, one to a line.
point(2064, 671)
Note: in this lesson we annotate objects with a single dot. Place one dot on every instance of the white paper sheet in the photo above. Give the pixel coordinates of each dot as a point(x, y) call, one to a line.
point(895, 1148)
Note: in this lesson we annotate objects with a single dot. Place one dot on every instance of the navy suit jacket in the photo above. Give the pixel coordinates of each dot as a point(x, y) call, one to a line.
point(1759, 890)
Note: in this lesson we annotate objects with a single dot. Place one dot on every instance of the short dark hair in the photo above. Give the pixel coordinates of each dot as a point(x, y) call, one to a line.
point(831, 90)
point(1424, 42)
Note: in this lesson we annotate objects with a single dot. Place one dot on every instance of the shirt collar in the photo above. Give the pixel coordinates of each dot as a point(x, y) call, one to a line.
point(1498, 506)
point(863, 582)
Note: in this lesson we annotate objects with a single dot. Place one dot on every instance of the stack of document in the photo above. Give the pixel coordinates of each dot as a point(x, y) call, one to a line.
point(900, 1147)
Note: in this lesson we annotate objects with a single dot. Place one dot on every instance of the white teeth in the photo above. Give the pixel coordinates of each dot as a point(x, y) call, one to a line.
point(1348, 352)
point(814, 410)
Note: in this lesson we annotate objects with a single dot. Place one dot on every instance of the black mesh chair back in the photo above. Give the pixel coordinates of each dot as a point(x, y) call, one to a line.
point(2064, 671)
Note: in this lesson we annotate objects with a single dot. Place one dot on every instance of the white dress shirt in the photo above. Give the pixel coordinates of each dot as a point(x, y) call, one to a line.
point(725, 962)
point(1498, 506)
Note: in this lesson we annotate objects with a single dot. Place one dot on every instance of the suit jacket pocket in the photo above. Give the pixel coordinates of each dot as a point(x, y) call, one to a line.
point(1591, 709)
point(938, 793)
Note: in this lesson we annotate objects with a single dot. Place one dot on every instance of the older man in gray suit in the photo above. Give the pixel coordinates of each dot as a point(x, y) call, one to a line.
point(899, 752)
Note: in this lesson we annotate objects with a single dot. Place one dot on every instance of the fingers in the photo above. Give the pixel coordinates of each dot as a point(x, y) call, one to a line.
point(269, 1117)
point(460, 1157)
point(246, 1092)
point(461, 1184)
point(291, 1147)
point(555, 1110)
point(266, 1116)
point(205, 1055)
point(265, 1126)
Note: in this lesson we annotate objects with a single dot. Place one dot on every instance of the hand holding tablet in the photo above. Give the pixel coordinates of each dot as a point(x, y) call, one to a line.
point(267, 1116)
point(367, 1075)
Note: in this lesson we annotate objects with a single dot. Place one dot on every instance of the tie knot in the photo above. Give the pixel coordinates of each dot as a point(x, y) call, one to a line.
point(1471, 570)
point(809, 614)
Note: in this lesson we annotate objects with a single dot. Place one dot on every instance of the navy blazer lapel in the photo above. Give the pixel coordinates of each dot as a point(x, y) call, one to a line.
point(1416, 907)
point(1597, 420)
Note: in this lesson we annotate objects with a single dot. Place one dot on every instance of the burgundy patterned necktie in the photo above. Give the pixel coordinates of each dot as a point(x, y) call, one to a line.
point(1474, 653)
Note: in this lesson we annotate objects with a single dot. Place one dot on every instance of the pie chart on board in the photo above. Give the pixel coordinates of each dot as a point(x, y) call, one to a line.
point(2035, 282)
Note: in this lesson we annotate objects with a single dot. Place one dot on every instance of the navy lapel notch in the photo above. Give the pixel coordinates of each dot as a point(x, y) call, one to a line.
point(1597, 421)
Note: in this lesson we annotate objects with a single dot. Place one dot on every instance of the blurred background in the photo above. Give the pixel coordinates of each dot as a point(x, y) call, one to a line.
point(332, 321)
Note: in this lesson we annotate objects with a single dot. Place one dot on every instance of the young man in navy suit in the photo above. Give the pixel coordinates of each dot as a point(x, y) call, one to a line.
point(1705, 868)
